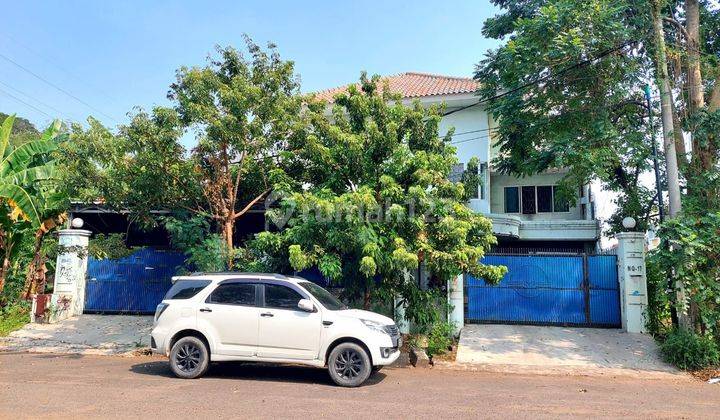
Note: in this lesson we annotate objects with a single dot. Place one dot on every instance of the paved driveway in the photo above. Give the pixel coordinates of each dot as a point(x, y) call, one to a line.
point(541, 349)
point(85, 334)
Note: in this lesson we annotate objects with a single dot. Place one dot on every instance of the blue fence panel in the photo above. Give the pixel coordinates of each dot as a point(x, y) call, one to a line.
point(134, 284)
point(536, 289)
point(541, 289)
point(604, 290)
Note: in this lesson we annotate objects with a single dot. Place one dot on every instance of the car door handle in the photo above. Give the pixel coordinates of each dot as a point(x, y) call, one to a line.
point(267, 314)
point(205, 310)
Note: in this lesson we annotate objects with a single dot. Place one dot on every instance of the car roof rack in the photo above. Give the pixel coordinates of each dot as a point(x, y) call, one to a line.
point(233, 273)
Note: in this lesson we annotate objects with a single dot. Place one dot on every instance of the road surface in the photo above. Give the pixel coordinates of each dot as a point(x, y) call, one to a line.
point(64, 386)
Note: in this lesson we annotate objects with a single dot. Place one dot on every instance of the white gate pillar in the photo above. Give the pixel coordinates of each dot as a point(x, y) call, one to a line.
point(633, 281)
point(402, 322)
point(69, 290)
point(456, 301)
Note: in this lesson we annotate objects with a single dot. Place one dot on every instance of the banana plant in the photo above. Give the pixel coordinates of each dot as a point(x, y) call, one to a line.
point(22, 168)
point(26, 190)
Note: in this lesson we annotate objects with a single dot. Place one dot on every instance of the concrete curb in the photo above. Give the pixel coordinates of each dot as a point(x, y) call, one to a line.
point(569, 370)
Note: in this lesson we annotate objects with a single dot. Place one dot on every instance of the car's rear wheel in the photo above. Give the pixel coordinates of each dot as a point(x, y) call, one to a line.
point(189, 358)
point(349, 365)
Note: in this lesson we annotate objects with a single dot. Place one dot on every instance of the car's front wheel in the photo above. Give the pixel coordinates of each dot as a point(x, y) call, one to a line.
point(349, 365)
point(189, 358)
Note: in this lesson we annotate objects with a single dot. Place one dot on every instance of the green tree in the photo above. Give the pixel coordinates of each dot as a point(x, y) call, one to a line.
point(374, 199)
point(27, 195)
point(23, 130)
point(242, 108)
point(243, 111)
point(90, 163)
point(572, 72)
point(567, 91)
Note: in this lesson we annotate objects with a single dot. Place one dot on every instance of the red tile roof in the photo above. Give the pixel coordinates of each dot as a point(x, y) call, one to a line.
point(415, 85)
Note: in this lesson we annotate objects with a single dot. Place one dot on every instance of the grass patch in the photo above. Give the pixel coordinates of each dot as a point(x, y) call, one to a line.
point(13, 317)
point(690, 351)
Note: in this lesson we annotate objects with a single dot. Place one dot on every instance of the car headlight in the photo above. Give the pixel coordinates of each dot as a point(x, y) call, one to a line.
point(375, 326)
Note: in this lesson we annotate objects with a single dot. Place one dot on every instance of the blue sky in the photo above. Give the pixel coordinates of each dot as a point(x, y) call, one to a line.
point(103, 58)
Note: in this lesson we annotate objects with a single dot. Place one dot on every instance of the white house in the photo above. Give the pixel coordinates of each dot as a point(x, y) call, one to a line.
point(524, 211)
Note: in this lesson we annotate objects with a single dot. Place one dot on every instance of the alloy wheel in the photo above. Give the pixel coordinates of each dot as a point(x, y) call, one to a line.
point(187, 357)
point(348, 364)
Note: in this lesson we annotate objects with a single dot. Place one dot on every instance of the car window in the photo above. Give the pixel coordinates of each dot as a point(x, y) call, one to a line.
point(185, 289)
point(233, 294)
point(326, 298)
point(281, 297)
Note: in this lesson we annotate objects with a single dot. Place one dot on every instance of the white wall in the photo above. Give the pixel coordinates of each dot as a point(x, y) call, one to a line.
point(471, 139)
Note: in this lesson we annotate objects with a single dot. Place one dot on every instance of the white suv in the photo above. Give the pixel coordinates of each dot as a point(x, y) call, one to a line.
point(269, 318)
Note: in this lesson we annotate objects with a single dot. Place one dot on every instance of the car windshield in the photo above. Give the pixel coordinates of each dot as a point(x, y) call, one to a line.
point(326, 298)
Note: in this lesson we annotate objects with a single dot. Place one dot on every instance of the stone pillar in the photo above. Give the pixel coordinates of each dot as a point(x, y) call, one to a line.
point(633, 281)
point(456, 301)
point(402, 322)
point(69, 291)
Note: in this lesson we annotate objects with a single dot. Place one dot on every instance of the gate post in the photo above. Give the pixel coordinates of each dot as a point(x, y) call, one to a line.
point(456, 301)
point(402, 322)
point(633, 281)
point(68, 298)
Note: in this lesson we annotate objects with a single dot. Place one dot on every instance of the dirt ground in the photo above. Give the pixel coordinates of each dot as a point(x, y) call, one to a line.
point(87, 386)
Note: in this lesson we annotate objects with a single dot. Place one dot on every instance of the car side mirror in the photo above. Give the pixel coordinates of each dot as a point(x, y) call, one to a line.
point(306, 305)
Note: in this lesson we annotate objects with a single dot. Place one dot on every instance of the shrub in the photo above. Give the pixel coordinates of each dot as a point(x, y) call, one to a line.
point(13, 317)
point(440, 338)
point(209, 255)
point(690, 351)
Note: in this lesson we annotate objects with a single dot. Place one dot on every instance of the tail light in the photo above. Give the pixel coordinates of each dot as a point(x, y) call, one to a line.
point(160, 309)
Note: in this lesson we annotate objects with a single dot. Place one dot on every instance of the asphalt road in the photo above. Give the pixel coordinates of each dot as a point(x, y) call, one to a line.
point(64, 386)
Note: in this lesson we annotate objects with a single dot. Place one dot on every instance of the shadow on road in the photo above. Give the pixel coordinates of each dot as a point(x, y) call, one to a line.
point(254, 372)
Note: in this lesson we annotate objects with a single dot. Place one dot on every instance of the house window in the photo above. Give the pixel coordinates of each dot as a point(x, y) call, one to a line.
point(532, 199)
point(512, 200)
point(544, 199)
point(561, 205)
point(528, 200)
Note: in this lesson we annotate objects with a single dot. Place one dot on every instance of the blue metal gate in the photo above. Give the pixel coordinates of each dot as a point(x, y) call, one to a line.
point(579, 290)
point(133, 284)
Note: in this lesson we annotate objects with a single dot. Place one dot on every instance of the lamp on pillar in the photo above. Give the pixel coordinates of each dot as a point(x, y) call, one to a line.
point(629, 223)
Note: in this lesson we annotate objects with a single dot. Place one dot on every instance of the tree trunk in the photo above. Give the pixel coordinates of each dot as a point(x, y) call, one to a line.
point(366, 300)
point(673, 178)
point(4, 270)
point(679, 139)
point(35, 277)
point(696, 94)
point(227, 233)
point(704, 156)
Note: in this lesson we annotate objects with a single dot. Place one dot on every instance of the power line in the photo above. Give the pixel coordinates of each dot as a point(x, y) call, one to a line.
point(28, 104)
point(53, 60)
point(600, 56)
point(55, 86)
point(466, 132)
point(34, 99)
point(470, 139)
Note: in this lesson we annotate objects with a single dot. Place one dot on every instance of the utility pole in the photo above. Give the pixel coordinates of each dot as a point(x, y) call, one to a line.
point(658, 185)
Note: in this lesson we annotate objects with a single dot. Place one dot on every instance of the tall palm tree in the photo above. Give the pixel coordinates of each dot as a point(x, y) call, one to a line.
point(25, 200)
